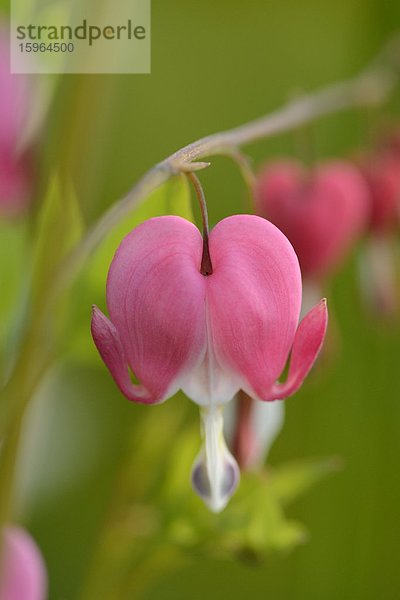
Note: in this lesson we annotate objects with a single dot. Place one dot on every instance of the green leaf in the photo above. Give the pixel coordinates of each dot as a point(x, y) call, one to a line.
point(254, 523)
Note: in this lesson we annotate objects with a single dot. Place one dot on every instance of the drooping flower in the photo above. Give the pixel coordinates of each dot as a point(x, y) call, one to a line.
point(16, 102)
point(321, 211)
point(209, 333)
point(22, 570)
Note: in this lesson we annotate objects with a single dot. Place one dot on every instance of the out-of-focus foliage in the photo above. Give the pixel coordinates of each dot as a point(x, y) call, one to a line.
point(12, 261)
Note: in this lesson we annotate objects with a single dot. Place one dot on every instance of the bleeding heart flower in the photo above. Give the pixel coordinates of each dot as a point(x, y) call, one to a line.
point(208, 332)
point(22, 570)
point(15, 161)
point(321, 211)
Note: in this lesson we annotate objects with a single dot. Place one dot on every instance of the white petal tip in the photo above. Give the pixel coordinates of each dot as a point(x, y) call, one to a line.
point(215, 474)
point(216, 499)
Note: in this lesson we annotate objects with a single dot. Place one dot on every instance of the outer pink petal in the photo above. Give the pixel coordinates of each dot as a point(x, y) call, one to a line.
point(109, 345)
point(22, 570)
point(307, 344)
point(155, 297)
point(253, 300)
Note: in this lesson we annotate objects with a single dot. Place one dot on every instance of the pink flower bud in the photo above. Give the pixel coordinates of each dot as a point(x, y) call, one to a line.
point(209, 335)
point(15, 161)
point(321, 211)
point(22, 570)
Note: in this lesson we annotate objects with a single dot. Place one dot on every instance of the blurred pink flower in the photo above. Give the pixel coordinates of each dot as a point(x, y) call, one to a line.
point(321, 211)
point(207, 335)
point(22, 570)
point(15, 160)
point(382, 173)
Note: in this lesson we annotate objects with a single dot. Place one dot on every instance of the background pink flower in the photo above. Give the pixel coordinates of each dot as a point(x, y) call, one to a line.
point(322, 211)
point(22, 569)
point(15, 160)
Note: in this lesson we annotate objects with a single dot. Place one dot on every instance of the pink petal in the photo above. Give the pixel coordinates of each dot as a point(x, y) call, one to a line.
point(22, 570)
point(307, 344)
point(109, 345)
point(253, 300)
point(155, 297)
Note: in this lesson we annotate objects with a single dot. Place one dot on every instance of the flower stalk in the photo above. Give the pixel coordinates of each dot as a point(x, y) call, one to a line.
point(206, 264)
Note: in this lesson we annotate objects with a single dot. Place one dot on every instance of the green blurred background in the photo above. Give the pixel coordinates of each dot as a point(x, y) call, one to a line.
point(216, 65)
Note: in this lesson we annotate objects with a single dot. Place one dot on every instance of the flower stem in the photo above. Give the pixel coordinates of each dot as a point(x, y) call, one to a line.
point(206, 264)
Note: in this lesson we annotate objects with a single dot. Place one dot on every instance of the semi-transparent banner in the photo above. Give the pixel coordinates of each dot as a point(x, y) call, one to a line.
point(80, 36)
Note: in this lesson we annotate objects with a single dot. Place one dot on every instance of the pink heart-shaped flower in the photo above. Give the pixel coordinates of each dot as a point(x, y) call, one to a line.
point(209, 335)
point(321, 211)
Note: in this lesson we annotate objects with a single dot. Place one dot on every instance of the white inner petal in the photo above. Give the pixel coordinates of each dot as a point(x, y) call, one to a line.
point(209, 384)
point(215, 473)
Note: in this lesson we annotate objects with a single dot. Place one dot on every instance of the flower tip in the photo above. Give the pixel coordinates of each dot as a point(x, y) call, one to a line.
point(215, 495)
point(322, 306)
point(307, 344)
